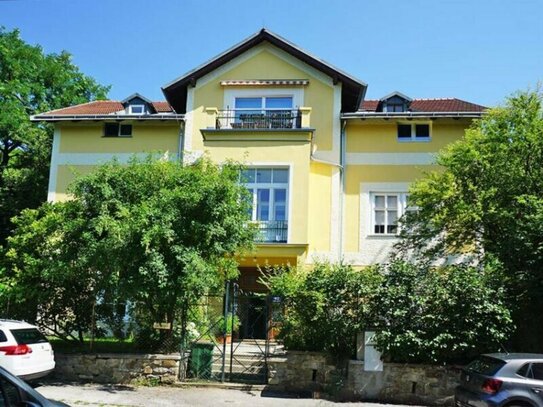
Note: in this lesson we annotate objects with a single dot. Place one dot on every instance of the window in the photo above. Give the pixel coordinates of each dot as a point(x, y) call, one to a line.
point(387, 208)
point(136, 109)
point(117, 130)
point(395, 107)
point(264, 112)
point(3, 336)
point(413, 132)
point(269, 190)
point(10, 395)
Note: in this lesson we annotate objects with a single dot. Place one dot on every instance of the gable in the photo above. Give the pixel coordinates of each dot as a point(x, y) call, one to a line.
point(353, 90)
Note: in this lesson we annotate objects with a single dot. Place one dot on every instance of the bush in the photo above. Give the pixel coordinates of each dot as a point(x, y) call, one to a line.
point(325, 307)
point(447, 314)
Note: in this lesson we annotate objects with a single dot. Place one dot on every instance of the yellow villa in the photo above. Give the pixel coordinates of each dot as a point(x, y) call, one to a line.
point(328, 169)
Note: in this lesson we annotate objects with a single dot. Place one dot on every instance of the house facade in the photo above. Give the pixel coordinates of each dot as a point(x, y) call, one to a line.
point(329, 170)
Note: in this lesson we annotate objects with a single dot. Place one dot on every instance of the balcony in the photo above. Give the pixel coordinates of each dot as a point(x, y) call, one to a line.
point(264, 119)
point(257, 121)
point(272, 231)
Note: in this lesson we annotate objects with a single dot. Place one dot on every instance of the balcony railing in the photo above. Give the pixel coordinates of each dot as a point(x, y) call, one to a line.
point(259, 119)
point(272, 231)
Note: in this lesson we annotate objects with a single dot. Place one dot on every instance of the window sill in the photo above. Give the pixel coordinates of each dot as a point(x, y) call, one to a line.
point(415, 140)
point(375, 236)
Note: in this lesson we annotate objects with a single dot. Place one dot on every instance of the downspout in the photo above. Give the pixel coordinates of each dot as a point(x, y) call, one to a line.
point(181, 146)
point(342, 169)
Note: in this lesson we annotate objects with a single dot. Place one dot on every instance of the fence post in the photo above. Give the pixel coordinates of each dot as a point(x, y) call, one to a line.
point(225, 326)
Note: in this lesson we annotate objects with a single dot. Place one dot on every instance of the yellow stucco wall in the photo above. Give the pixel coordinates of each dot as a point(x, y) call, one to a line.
point(262, 153)
point(380, 136)
point(265, 64)
point(319, 209)
point(88, 138)
point(358, 174)
point(65, 175)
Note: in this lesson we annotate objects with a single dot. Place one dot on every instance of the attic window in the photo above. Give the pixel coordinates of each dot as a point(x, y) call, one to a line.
point(136, 109)
point(395, 107)
point(117, 130)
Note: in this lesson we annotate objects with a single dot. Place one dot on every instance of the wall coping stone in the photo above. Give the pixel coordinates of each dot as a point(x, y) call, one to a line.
point(132, 356)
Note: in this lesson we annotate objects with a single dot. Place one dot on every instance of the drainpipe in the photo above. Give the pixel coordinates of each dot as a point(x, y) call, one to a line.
point(342, 169)
point(181, 146)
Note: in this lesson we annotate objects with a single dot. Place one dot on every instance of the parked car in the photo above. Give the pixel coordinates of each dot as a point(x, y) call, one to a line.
point(24, 351)
point(17, 393)
point(502, 380)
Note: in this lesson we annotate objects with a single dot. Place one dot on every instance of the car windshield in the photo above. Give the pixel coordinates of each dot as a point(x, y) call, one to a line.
point(28, 336)
point(485, 365)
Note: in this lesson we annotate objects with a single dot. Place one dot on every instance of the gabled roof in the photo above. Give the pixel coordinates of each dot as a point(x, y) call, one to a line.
point(429, 105)
point(353, 90)
point(106, 109)
point(396, 93)
point(136, 95)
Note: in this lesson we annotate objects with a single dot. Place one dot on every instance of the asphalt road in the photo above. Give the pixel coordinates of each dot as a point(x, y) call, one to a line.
point(93, 395)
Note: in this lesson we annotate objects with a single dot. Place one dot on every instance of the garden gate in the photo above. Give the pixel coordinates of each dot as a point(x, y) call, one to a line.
point(230, 337)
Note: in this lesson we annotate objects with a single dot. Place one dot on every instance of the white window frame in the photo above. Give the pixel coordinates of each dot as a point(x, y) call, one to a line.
point(119, 135)
point(131, 109)
point(401, 209)
point(230, 95)
point(272, 186)
point(414, 137)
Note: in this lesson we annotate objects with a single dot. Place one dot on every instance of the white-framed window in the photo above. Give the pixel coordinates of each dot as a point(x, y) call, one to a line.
point(386, 209)
point(269, 189)
point(414, 131)
point(136, 109)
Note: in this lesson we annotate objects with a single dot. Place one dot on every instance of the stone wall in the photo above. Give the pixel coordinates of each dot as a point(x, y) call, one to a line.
point(398, 383)
point(117, 368)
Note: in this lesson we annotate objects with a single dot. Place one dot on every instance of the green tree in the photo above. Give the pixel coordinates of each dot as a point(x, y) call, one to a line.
point(31, 82)
point(443, 314)
point(155, 233)
point(486, 204)
point(324, 307)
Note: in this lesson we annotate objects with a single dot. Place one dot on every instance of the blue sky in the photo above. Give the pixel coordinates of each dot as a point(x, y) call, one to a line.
point(477, 50)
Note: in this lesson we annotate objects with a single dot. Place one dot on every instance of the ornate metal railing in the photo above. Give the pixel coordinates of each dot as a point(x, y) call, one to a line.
point(259, 119)
point(272, 231)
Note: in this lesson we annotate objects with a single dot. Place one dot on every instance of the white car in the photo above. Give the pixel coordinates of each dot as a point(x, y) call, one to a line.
point(24, 351)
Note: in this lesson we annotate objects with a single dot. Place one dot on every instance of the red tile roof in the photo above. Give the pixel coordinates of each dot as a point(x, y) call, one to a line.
point(431, 105)
point(99, 107)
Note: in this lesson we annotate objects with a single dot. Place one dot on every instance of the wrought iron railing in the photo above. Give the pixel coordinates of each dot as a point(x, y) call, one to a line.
point(259, 119)
point(272, 231)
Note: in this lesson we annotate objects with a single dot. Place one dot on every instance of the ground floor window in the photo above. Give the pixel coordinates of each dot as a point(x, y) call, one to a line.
point(387, 208)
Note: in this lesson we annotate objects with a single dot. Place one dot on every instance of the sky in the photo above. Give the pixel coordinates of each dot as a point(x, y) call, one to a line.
point(477, 50)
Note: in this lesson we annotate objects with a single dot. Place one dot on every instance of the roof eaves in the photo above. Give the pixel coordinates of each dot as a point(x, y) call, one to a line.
point(396, 93)
point(403, 115)
point(136, 95)
point(98, 117)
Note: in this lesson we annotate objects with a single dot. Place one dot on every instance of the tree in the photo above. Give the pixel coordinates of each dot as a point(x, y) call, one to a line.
point(154, 233)
point(487, 202)
point(32, 81)
point(439, 314)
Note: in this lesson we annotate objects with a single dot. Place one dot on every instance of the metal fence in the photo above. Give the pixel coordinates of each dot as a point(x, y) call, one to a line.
point(258, 119)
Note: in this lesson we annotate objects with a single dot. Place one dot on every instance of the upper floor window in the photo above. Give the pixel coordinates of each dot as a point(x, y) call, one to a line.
point(414, 132)
point(387, 208)
point(117, 130)
point(395, 107)
point(136, 109)
point(269, 207)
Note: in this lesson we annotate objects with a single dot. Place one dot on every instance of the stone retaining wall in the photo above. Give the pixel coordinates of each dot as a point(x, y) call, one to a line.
point(398, 383)
point(117, 368)
point(312, 373)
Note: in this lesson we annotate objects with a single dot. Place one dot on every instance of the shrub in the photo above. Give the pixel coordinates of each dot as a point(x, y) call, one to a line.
point(324, 307)
point(446, 314)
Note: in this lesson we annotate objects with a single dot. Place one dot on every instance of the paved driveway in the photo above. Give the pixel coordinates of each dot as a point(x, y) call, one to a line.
point(117, 396)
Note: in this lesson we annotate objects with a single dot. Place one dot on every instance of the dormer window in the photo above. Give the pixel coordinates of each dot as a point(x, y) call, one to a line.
point(136, 109)
point(395, 102)
point(395, 107)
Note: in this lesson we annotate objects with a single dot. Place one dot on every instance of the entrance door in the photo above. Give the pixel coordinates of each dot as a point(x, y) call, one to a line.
point(254, 312)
